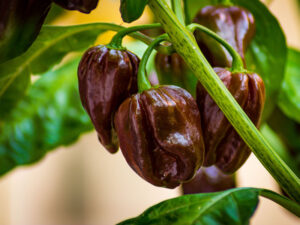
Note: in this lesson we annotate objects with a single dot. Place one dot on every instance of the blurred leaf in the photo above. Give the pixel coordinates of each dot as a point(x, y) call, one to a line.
point(289, 97)
point(267, 52)
point(20, 23)
point(289, 132)
point(15, 91)
point(50, 47)
point(131, 10)
point(54, 13)
point(281, 148)
point(234, 206)
point(50, 115)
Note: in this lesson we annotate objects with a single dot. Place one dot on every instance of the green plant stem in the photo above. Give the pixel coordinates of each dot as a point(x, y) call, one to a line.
point(281, 200)
point(143, 81)
point(186, 12)
point(178, 10)
point(116, 41)
point(186, 45)
point(136, 35)
point(237, 62)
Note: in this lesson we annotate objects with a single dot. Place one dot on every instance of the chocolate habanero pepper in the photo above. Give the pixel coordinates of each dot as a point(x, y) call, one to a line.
point(235, 24)
point(85, 6)
point(106, 77)
point(209, 179)
point(223, 146)
point(171, 69)
point(160, 135)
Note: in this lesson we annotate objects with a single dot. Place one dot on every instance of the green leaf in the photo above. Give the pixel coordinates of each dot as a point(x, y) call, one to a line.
point(131, 10)
point(50, 115)
point(289, 97)
point(50, 47)
point(267, 52)
point(234, 206)
point(15, 91)
point(20, 23)
point(289, 132)
point(54, 13)
point(277, 140)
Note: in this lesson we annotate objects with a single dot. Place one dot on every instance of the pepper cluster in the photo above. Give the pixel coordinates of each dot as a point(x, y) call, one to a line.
point(164, 133)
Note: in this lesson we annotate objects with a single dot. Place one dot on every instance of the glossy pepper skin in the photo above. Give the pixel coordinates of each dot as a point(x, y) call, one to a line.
point(20, 23)
point(171, 69)
point(235, 24)
point(160, 135)
point(209, 179)
point(106, 77)
point(223, 146)
point(85, 6)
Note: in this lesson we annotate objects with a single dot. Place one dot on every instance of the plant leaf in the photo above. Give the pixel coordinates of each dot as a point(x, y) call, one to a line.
point(54, 13)
point(131, 10)
point(50, 47)
point(234, 206)
point(267, 52)
point(289, 154)
point(20, 23)
point(289, 97)
point(50, 115)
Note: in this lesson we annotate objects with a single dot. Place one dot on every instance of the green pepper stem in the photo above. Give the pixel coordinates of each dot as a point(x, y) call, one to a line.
point(186, 12)
point(281, 200)
point(143, 81)
point(177, 9)
point(237, 62)
point(186, 45)
point(116, 41)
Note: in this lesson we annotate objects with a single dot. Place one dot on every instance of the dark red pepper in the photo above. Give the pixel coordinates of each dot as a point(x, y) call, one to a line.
point(85, 6)
point(171, 69)
point(160, 135)
point(106, 78)
point(235, 24)
point(209, 179)
point(223, 146)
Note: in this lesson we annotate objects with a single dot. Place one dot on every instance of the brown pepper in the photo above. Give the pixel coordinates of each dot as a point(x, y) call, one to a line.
point(160, 135)
point(223, 146)
point(235, 24)
point(85, 6)
point(171, 69)
point(106, 78)
point(209, 179)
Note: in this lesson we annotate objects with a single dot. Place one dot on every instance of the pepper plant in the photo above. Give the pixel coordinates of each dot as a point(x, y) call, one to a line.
point(196, 120)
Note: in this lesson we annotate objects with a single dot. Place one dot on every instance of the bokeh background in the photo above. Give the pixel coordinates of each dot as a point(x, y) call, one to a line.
point(85, 185)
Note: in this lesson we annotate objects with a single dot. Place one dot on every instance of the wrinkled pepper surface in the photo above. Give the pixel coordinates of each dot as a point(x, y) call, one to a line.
point(209, 179)
point(85, 6)
point(235, 24)
point(171, 69)
point(20, 23)
point(160, 135)
point(223, 146)
point(106, 77)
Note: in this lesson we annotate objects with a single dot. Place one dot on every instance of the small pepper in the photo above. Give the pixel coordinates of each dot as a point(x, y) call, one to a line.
point(209, 179)
point(171, 69)
point(223, 146)
point(85, 6)
point(160, 135)
point(106, 78)
point(235, 24)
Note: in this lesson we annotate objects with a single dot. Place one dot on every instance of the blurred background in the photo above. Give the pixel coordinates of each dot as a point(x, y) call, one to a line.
point(84, 184)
